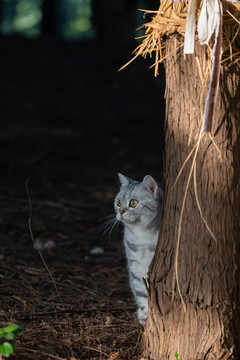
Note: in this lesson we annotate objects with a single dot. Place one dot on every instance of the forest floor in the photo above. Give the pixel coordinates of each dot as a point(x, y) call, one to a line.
point(69, 123)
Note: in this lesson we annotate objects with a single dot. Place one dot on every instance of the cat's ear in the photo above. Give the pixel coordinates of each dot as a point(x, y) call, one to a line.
point(151, 185)
point(124, 180)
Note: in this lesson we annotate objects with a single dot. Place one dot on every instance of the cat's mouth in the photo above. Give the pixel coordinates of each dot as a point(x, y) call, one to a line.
point(120, 216)
point(126, 218)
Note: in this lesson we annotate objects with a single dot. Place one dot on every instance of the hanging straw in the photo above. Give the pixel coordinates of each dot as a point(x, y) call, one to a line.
point(171, 18)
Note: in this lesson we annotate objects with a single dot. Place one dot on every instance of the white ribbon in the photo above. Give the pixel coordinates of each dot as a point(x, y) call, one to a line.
point(189, 39)
point(212, 11)
point(209, 20)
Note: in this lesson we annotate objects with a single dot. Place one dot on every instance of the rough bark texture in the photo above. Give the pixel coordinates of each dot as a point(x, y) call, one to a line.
point(209, 274)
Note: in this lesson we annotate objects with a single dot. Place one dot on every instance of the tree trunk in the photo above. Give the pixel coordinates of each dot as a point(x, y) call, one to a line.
point(50, 19)
point(208, 270)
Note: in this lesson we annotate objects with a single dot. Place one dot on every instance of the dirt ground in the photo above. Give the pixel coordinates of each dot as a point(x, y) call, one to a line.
point(69, 123)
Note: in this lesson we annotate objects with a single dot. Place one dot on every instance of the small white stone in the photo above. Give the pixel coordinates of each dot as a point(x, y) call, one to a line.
point(49, 244)
point(96, 251)
point(44, 244)
point(39, 245)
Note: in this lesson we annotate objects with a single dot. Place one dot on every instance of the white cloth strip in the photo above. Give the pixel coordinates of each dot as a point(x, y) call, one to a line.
point(211, 99)
point(189, 38)
point(208, 20)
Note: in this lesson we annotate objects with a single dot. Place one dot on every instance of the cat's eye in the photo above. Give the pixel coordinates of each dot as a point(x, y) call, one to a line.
point(133, 203)
point(119, 202)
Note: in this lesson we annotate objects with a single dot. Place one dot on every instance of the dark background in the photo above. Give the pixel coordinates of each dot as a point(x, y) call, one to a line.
point(69, 123)
point(65, 105)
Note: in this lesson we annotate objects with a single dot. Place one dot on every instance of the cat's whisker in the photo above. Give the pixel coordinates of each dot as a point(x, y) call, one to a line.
point(113, 227)
point(107, 220)
point(109, 225)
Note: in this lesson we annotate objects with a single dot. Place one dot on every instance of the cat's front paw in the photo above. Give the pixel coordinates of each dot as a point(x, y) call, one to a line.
point(142, 315)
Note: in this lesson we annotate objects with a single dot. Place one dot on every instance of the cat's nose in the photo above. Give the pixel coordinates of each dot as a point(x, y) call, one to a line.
point(121, 212)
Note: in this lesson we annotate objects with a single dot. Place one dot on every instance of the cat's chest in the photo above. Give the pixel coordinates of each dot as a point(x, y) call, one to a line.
point(140, 239)
point(140, 244)
point(139, 248)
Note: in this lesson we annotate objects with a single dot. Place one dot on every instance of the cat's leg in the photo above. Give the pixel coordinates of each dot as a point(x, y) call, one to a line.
point(141, 297)
point(142, 310)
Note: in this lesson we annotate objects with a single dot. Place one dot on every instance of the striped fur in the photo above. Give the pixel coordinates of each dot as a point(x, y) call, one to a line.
point(141, 228)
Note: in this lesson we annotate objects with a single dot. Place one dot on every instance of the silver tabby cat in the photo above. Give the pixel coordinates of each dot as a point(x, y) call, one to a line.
point(138, 206)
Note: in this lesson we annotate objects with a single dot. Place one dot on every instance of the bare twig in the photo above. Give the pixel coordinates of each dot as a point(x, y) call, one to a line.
point(39, 252)
point(41, 353)
point(97, 350)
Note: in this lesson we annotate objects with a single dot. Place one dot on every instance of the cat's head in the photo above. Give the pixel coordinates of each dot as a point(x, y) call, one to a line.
point(138, 202)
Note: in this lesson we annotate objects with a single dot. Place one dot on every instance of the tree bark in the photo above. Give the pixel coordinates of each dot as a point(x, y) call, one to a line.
point(208, 270)
point(50, 19)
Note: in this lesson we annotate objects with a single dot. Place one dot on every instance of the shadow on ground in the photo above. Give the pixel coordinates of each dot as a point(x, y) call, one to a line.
point(69, 123)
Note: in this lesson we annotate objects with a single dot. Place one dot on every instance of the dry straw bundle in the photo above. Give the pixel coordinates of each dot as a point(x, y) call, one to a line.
point(170, 19)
